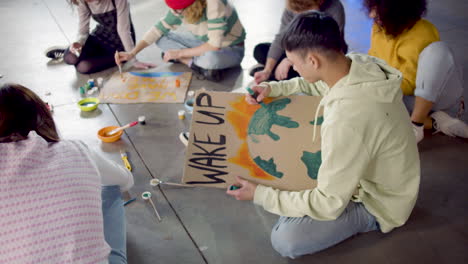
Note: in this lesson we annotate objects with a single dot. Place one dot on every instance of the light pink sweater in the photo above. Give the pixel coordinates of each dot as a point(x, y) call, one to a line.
point(50, 203)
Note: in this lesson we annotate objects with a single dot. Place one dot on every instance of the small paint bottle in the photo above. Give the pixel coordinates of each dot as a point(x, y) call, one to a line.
point(181, 114)
point(142, 120)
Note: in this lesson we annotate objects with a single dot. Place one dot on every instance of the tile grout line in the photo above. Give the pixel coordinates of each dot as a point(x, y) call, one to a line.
point(56, 21)
point(161, 190)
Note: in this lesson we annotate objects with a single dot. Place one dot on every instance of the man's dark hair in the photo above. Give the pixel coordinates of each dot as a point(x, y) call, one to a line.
point(314, 30)
point(395, 16)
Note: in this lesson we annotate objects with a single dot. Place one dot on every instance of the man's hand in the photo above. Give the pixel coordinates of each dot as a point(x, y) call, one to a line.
point(246, 191)
point(282, 70)
point(172, 55)
point(261, 91)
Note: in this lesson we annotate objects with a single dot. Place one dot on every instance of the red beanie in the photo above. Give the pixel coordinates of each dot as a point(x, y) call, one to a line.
point(179, 4)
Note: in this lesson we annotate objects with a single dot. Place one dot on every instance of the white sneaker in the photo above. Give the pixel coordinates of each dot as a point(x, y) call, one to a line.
point(448, 125)
point(184, 137)
point(418, 132)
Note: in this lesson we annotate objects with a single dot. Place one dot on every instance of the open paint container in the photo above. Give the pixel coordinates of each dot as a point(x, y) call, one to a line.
point(189, 105)
point(88, 104)
point(108, 139)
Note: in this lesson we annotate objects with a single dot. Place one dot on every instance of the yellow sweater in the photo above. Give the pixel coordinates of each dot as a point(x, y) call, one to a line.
point(403, 51)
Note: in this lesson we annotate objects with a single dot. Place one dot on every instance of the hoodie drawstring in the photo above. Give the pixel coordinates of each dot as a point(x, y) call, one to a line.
point(315, 119)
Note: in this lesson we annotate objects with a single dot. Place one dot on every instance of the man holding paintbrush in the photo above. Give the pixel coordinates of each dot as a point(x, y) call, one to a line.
point(370, 171)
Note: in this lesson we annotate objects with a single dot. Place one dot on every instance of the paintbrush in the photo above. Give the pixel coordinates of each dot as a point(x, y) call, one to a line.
point(118, 64)
point(147, 196)
point(124, 157)
point(113, 131)
point(155, 182)
point(254, 95)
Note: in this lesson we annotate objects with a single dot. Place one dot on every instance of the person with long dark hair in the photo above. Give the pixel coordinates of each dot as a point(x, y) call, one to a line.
point(61, 201)
point(94, 51)
point(432, 80)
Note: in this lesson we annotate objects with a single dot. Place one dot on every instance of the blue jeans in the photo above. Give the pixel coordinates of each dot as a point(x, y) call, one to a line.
point(438, 80)
point(115, 232)
point(221, 59)
point(296, 236)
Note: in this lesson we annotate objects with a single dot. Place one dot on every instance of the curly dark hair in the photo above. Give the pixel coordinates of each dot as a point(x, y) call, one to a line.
point(395, 16)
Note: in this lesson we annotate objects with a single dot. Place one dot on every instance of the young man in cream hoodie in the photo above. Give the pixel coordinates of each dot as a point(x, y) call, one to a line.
point(370, 171)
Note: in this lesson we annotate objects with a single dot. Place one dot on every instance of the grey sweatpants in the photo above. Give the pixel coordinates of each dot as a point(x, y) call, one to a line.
point(438, 79)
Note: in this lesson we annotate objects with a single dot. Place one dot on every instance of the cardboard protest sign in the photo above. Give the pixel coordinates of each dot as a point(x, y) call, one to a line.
point(146, 87)
point(270, 144)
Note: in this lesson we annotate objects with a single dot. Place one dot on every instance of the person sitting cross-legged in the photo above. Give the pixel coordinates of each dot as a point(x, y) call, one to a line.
point(370, 172)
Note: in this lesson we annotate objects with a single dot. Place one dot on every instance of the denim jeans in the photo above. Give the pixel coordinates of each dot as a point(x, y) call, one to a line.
point(114, 224)
point(296, 236)
point(221, 59)
point(438, 80)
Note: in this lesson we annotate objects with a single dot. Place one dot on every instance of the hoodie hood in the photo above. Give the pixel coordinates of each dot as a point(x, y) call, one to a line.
point(369, 80)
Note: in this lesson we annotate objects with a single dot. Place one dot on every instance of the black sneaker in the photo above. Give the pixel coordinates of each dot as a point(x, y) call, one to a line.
point(209, 74)
point(256, 68)
point(55, 52)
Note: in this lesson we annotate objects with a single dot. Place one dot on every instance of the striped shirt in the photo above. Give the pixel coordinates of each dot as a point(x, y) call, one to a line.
point(50, 203)
point(219, 26)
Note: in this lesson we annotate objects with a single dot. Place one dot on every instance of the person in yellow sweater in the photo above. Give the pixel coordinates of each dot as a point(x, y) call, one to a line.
point(432, 82)
point(370, 171)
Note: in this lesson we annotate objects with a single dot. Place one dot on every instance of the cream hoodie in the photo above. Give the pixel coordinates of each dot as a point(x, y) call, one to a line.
point(367, 145)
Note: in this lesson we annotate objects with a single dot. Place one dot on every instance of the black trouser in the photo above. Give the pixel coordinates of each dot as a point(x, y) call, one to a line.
point(94, 57)
point(261, 55)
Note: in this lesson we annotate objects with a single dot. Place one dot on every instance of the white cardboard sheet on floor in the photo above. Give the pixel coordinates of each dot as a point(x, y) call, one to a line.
point(269, 144)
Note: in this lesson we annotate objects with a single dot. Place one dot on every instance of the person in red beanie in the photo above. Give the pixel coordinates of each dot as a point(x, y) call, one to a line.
point(215, 40)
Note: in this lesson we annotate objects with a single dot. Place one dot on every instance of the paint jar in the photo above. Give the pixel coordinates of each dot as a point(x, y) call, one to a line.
point(189, 105)
point(142, 120)
point(181, 114)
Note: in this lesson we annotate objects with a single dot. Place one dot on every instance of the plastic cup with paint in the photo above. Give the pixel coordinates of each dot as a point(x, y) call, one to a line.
point(181, 114)
point(88, 104)
point(189, 105)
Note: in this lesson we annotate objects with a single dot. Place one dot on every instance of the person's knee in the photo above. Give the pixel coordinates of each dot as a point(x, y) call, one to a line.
point(436, 52)
point(288, 243)
point(209, 60)
point(70, 58)
point(84, 67)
